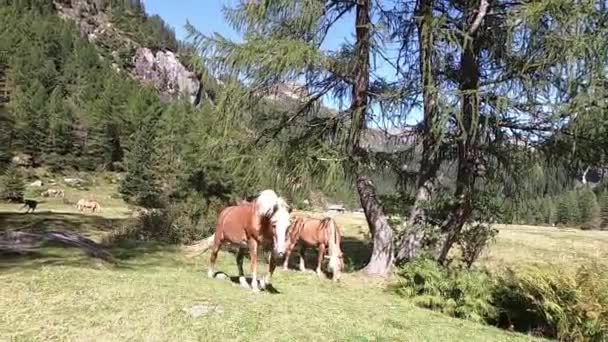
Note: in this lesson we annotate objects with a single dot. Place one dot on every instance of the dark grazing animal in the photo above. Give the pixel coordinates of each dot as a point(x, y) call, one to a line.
point(30, 205)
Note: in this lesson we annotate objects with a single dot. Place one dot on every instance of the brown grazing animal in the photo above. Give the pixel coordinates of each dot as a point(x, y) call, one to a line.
point(88, 204)
point(249, 225)
point(325, 235)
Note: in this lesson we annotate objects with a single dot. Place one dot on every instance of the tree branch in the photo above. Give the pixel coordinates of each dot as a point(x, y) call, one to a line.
point(481, 13)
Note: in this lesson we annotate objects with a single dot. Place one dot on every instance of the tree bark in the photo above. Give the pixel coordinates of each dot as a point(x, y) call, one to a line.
point(429, 164)
point(468, 139)
point(381, 260)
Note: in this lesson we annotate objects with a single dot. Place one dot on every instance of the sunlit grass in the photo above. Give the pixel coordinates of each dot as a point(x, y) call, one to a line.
point(62, 294)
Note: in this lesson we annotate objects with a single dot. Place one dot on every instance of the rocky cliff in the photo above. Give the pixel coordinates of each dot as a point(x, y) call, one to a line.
point(160, 68)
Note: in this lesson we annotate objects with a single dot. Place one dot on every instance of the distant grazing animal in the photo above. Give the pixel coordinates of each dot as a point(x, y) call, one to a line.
point(53, 193)
point(263, 221)
point(324, 234)
point(88, 204)
point(30, 205)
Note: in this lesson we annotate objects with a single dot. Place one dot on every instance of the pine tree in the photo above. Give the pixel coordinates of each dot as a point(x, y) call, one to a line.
point(140, 184)
point(603, 202)
point(588, 208)
point(563, 210)
point(574, 211)
point(12, 185)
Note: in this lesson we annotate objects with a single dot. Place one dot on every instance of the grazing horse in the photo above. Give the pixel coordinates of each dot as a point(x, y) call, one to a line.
point(53, 193)
point(88, 204)
point(264, 220)
point(314, 232)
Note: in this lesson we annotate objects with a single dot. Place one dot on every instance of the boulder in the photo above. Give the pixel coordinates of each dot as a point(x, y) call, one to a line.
point(37, 183)
point(22, 159)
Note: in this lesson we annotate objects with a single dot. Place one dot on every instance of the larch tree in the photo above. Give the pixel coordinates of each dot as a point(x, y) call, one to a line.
point(282, 43)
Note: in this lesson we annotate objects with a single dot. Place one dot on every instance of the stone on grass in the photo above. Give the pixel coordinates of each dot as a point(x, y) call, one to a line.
point(204, 309)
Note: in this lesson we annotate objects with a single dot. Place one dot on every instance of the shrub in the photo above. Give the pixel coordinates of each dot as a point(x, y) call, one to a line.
point(457, 292)
point(180, 223)
point(541, 300)
point(474, 239)
point(550, 301)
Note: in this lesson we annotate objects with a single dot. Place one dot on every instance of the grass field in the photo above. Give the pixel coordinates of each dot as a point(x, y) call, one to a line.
point(62, 294)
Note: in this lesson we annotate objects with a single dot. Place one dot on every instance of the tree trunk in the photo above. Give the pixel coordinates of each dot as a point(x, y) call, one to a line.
point(381, 261)
point(429, 164)
point(468, 139)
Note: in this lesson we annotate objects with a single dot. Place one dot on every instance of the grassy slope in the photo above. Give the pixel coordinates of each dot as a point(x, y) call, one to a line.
point(60, 294)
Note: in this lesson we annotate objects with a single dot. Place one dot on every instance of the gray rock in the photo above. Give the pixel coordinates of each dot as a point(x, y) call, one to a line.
point(166, 73)
point(37, 183)
point(204, 309)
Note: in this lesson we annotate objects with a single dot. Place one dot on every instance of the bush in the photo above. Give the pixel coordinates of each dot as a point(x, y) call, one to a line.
point(474, 239)
point(569, 306)
point(460, 293)
point(12, 185)
point(180, 223)
point(542, 300)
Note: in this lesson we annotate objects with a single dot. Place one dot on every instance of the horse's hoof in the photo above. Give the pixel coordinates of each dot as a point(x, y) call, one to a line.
point(210, 274)
point(263, 284)
point(243, 282)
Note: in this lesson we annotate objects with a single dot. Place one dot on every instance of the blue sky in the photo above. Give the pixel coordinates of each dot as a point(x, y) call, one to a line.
point(207, 17)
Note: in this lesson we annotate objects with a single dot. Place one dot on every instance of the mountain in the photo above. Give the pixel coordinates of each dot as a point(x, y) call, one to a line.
point(121, 31)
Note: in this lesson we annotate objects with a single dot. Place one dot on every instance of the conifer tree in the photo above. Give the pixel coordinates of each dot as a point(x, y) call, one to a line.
point(140, 184)
point(588, 208)
point(563, 210)
point(603, 203)
point(11, 185)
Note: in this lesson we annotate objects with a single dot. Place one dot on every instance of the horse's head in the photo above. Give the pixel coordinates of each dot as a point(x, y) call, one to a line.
point(277, 211)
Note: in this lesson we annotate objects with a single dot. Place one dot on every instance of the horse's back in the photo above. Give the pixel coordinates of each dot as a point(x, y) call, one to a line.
point(233, 222)
point(311, 233)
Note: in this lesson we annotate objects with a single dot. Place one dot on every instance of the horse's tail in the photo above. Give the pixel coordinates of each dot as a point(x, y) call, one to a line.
point(333, 241)
point(202, 246)
point(199, 247)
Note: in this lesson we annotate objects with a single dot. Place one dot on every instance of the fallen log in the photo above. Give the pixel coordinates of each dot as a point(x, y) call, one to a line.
point(23, 242)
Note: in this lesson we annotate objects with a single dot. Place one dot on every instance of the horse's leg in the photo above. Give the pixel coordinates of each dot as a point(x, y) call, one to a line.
point(239, 262)
point(214, 251)
point(287, 254)
point(302, 254)
point(321, 256)
point(253, 255)
point(272, 264)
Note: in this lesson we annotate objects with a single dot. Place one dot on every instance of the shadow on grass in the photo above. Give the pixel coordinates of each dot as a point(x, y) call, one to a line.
point(124, 254)
point(236, 281)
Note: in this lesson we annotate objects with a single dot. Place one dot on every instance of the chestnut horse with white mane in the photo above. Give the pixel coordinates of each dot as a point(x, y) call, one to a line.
point(248, 225)
point(324, 234)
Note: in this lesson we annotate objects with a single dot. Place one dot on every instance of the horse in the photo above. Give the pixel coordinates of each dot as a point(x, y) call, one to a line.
point(89, 204)
point(264, 220)
point(53, 193)
point(324, 234)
